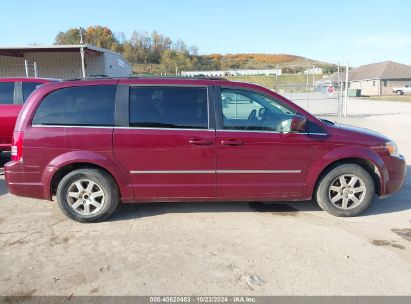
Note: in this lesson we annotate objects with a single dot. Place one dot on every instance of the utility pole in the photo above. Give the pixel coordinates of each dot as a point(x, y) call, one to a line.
point(313, 77)
point(276, 71)
point(338, 78)
point(83, 64)
point(346, 89)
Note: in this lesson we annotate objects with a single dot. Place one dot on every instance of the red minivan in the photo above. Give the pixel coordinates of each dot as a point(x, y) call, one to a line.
point(95, 143)
point(13, 93)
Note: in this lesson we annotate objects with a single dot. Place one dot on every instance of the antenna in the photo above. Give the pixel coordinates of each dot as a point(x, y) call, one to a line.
point(81, 35)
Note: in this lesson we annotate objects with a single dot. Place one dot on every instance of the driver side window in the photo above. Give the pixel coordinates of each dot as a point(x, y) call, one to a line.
point(246, 110)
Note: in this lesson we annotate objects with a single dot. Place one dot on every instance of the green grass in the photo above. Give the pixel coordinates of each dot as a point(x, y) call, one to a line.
point(401, 98)
point(280, 80)
point(285, 82)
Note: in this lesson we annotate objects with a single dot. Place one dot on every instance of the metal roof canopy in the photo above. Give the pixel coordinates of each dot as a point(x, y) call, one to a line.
point(19, 51)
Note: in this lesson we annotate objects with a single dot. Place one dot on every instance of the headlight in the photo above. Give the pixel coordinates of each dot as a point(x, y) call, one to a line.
point(392, 148)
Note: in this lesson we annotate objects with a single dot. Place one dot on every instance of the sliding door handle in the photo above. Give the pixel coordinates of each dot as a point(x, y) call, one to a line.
point(232, 142)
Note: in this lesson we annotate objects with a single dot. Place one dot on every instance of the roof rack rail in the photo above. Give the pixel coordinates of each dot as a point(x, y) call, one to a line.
point(97, 77)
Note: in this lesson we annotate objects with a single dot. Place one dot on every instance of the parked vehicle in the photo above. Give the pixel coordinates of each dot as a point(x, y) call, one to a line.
point(402, 90)
point(13, 93)
point(95, 143)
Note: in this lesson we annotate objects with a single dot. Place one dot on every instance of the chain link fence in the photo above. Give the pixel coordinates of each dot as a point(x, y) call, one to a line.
point(313, 93)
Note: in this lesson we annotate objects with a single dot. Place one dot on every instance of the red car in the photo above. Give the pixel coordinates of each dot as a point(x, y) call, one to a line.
point(95, 143)
point(13, 93)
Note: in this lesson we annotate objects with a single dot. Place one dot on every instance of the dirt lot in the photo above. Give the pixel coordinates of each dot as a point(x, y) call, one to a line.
point(215, 249)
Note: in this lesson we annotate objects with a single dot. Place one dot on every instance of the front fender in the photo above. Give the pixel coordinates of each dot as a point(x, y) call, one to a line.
point(88, 157)
point(318, 165)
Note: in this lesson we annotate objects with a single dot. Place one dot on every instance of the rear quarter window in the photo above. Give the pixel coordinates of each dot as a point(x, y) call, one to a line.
point(78, 106)
point(6, 92)
point(28, 88)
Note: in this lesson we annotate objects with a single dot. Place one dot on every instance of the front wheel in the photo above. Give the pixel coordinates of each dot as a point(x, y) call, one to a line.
point(87, 195)
point(400, 93)
point(345, 190)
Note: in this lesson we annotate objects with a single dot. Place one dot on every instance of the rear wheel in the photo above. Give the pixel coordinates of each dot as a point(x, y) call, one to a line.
point(87, 195)
point(345, 190)
point(399, 93)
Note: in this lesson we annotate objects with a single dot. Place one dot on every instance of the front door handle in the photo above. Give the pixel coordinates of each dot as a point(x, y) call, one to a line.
point(232, 142)
point(200, 142)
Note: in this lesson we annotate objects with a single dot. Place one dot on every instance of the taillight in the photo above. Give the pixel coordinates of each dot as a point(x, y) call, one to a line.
point(17, 146)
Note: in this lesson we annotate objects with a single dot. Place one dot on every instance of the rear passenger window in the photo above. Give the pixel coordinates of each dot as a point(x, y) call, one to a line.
point(169, 107)
point(78, 106)
point(6, 92)
point(28, 88)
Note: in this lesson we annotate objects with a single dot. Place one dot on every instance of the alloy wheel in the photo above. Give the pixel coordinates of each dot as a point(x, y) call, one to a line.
point(85, 197)
point(347, 191)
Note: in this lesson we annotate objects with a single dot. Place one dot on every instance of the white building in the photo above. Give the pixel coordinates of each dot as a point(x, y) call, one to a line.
point(315, 71)
point(61, 61)
point(205, 73)
point(231, 73)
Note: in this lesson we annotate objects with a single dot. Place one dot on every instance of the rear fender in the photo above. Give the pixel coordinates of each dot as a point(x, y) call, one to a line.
point(93, 158)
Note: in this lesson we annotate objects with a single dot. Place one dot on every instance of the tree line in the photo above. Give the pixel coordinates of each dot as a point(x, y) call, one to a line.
point(142, 48)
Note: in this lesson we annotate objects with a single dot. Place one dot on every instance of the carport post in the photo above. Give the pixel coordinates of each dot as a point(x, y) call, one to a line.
point(26, 66)
point(346, 89)
point(35, 70)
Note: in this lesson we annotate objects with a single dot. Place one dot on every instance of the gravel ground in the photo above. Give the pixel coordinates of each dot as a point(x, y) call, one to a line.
point(215, 248)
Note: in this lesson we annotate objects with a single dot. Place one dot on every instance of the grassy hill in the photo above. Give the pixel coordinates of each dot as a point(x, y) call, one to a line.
point(289, 63)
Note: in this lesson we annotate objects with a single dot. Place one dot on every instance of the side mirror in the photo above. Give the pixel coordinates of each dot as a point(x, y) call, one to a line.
point(298, 123)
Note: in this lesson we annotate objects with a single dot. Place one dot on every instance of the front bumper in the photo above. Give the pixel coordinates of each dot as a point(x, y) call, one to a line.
point(397, 171)
point(22, 181)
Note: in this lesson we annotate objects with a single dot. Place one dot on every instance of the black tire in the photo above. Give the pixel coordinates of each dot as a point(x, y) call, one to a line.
point(103, 180)
point(322, 194)
point(399, 93)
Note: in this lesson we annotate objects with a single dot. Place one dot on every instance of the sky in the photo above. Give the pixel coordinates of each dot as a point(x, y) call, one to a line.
point(361, 31)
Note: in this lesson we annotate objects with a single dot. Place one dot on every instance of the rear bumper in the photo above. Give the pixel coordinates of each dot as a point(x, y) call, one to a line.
point(22, 181)
point(5, 147)
point(397, 171)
